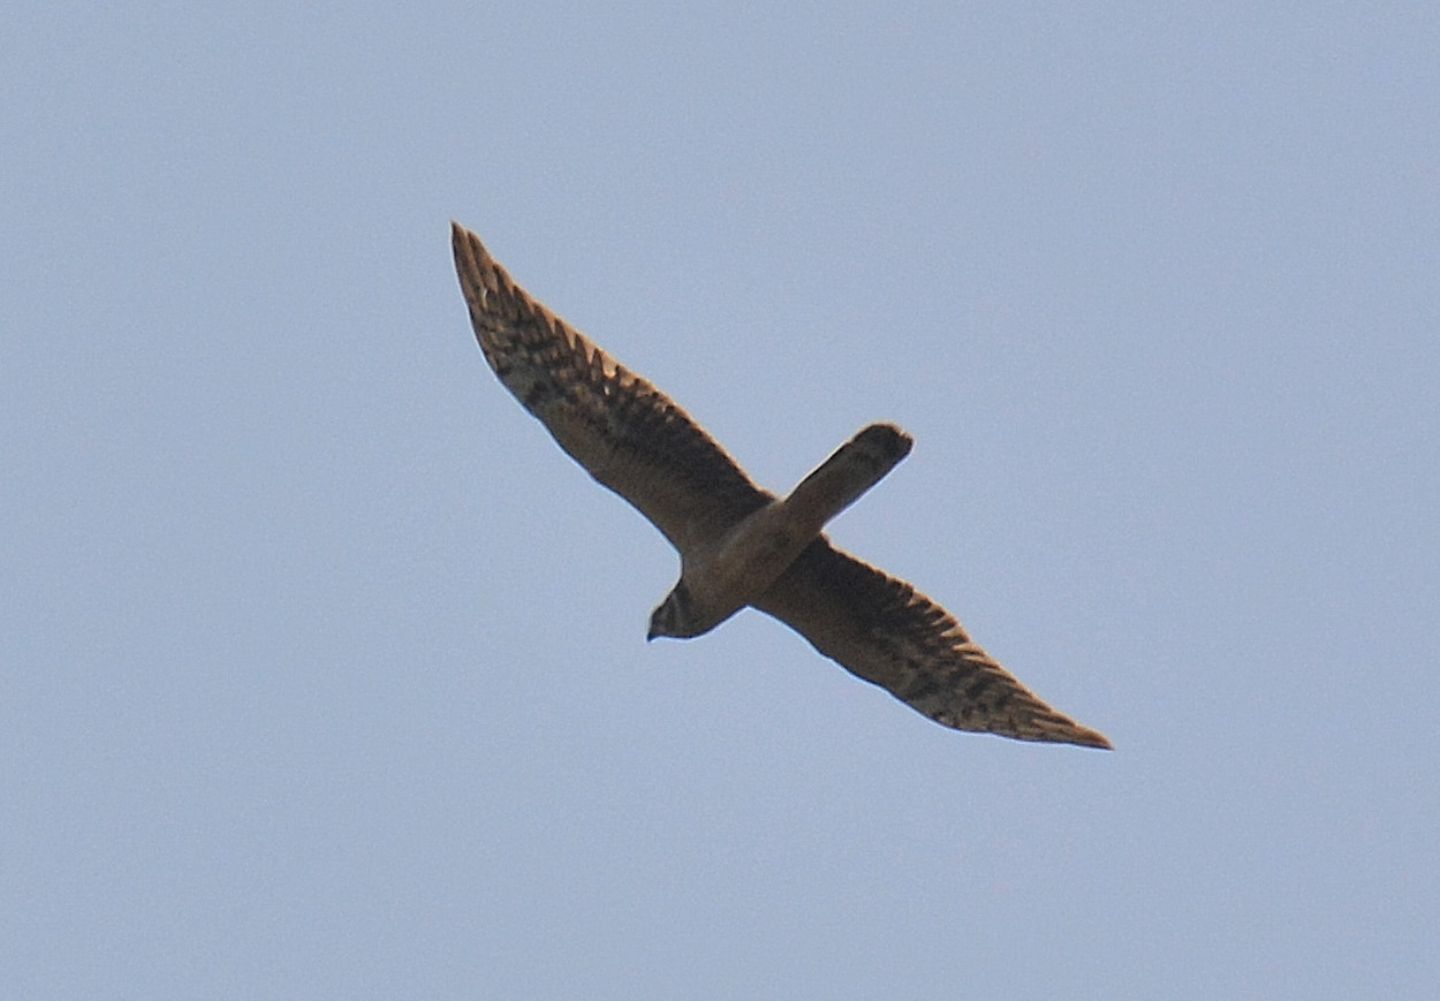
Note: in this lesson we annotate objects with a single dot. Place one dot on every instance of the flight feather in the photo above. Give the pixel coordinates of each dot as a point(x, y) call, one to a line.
point(885, 631)
point(627, 434)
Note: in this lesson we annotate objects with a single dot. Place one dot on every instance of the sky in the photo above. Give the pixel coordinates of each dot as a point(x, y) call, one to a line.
point(322, 669)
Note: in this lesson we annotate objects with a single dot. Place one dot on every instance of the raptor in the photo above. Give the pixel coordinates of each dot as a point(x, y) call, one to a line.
point(741, 545)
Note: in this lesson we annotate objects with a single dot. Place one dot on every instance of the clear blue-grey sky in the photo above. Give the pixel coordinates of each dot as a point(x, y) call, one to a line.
point(324, 672)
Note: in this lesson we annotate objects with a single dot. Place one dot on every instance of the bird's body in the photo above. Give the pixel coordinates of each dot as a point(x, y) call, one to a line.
point(721, 576)
point(741, 545)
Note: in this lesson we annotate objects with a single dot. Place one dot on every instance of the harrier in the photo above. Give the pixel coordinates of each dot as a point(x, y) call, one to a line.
point(741, 545)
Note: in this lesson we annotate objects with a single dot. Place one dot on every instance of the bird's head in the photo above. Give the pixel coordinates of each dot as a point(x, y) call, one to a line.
point(672, 617)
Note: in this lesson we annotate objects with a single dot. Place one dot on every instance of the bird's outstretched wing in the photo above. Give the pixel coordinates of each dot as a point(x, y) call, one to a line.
point(626, 433)
point(883, 630)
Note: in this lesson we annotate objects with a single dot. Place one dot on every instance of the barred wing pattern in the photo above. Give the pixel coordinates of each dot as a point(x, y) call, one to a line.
point(627, 434)
point(636, 441)
point(884, 631)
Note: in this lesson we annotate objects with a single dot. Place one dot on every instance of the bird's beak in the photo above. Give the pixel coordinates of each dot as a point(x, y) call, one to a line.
point(649, 635)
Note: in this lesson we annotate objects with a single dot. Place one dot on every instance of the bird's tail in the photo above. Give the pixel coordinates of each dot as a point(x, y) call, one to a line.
point(839, 481)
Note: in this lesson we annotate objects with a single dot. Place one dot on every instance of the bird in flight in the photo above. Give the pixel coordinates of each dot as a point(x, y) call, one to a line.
point(739, 544)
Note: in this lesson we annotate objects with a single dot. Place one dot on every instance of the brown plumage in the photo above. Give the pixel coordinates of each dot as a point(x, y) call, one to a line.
point(741, 545)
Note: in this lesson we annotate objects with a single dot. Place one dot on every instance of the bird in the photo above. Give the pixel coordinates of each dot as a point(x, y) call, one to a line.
point(740, 545)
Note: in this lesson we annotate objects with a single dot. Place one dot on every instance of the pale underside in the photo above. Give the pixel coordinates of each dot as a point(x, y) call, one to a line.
point(635, 440)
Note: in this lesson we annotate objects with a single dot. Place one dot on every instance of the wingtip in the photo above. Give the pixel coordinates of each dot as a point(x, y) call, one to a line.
point(460, 236)
point(472, 261)
point(1092, 738)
